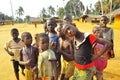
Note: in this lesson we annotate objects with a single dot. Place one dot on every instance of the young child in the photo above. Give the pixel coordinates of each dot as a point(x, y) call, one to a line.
point(13, 47)
point(83, 56)
point(54, 40)
point(107, 34)
point(29, 57)
point(101, 62)
point(66, 47)
point(36, 41)
point(47, 66)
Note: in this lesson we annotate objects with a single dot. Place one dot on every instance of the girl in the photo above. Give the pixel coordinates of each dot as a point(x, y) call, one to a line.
point(47, 61)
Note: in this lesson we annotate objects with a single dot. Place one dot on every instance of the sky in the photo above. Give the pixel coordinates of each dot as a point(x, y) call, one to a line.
point(33, 7)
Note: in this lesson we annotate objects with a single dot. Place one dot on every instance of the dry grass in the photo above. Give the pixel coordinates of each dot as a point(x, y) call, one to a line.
point(6, 69)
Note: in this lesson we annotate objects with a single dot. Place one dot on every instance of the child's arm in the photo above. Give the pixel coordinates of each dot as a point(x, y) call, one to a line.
point(68, 57)
point(54, 66)
point(6, 46)
point(9, 52)
point(21, 59)
point(107, 44)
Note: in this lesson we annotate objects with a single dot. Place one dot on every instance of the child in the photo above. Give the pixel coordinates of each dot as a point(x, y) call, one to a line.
point(101, 62)
point(36, 41)
point(66, 47)
point(13, 47)
point(54, 40)
point(47, 60)
point(29, 57)
point(83, 56)
point(107, 34)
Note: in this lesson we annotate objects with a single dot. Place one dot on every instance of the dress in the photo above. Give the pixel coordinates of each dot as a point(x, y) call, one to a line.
point(44, 63)
point(84, 67)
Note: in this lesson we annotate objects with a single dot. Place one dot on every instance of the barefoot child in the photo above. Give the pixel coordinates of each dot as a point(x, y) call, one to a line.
point(13, 47)
point(47, 60)
point(101, 62)
point(83, 56)
point(108, 34)
point(54, 40)
point(29, 57)
point(66, 47)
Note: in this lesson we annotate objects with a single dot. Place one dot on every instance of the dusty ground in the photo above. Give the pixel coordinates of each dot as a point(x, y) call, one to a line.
point(112, 72)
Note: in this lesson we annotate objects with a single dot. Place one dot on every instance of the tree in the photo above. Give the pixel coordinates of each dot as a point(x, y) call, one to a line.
point(82, 8)
point(60, 12)
point(43, 13)
point(27, 19)
point(20, 12)
point(51, 10)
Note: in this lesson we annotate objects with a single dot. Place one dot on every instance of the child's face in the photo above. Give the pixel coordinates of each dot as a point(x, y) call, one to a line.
point(27, 40)
point(98, 32)
point(51, 25)
point(70, 30)
point(14, 34)
point(103, 21)
point(44, 44)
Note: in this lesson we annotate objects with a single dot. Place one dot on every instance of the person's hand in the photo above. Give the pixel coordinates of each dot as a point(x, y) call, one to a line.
point(59, 50)
point(94, 57)
point(28, 62)
point(11, 53)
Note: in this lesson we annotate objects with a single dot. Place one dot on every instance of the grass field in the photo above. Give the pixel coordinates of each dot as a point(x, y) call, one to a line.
point(112, 72)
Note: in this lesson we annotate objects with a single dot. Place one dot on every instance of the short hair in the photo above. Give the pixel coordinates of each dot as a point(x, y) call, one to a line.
point(52, 20)
point(43, 36)
point(105, 18)
point(24, 34)
point(14, 29)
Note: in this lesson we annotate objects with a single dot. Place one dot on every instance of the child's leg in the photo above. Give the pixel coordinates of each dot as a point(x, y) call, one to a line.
point(99, 75)
point(22, 68)
point(16, 68)
point(62, 76)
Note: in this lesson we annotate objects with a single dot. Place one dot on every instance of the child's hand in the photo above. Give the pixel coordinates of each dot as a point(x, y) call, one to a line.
point(11, 53)
point(53, 44)
point(59, 50)
point(94, 57)
point(28, 62)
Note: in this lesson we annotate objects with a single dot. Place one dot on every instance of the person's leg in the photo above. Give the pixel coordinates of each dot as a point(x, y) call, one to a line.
point(99, 75)
point(22, 68)
point(62, 76)
point(16, 69)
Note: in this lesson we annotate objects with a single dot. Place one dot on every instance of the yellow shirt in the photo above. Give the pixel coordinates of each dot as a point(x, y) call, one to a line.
point(44, 63)
point(15, 48)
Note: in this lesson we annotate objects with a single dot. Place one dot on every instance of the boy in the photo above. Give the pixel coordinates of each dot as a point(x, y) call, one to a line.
point(107, 34)
point(66, 47)
point(29, 57)
point(13, 47)
point(54, 40)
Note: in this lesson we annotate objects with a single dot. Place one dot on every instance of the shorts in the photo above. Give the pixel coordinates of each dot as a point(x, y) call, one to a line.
point(29, 75)
point(67, 68)
point(16, 66)
point(100, 64)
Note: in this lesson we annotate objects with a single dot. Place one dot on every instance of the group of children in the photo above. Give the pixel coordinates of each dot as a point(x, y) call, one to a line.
point(60, 52)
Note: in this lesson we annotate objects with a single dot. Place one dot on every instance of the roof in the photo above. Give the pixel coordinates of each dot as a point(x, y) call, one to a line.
point(115, 12)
